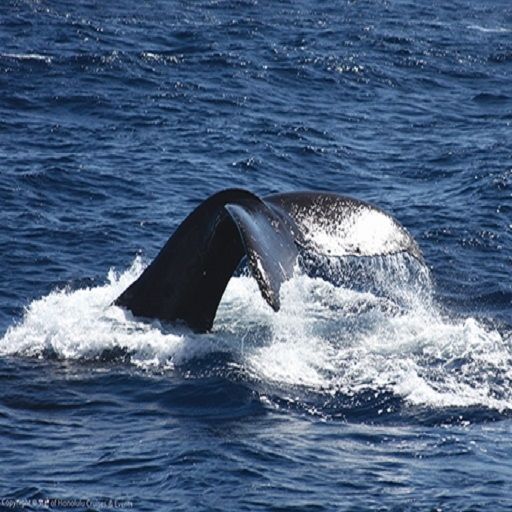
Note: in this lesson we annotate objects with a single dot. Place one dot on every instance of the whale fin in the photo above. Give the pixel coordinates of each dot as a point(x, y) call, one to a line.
point(269, 245)
point(188, 277)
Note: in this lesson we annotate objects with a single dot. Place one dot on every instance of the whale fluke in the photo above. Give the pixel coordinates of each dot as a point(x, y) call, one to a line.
point(187, 279)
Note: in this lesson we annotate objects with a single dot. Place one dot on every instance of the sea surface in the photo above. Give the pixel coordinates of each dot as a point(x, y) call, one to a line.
point(118, 118)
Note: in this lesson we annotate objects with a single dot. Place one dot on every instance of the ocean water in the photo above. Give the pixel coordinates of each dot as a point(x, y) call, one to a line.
point(118, 118)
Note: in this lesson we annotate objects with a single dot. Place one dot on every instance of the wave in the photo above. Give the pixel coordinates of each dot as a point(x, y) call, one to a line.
point(328, 339)
point(492, 30)
point(28, 56)
point(490, 98)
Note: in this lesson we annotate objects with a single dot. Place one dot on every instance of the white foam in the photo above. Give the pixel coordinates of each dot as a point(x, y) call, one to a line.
point(326, 338)
point(78, 324)
point(337, 340)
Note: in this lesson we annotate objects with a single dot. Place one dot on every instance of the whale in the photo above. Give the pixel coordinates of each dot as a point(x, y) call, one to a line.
point(186, 280)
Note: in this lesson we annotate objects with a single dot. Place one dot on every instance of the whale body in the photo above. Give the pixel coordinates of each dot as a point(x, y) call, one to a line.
point(187, 279)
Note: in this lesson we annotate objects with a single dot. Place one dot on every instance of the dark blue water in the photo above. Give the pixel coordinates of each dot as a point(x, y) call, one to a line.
point(117, 118)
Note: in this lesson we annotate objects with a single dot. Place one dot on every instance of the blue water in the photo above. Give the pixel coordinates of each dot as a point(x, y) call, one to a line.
point(117, 118)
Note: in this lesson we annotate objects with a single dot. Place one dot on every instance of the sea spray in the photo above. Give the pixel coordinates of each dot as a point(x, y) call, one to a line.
point(327, 337)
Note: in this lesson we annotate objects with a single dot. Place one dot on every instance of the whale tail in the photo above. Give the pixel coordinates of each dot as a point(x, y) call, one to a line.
point(188, 277)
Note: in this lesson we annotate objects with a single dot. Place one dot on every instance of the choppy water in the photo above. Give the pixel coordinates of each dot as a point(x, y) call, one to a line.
point(117, 119)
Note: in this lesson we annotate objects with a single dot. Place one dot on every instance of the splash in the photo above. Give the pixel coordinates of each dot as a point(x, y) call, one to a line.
point(83, 324)
point(383, 332)
point(328, 338)
point(340, 341)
